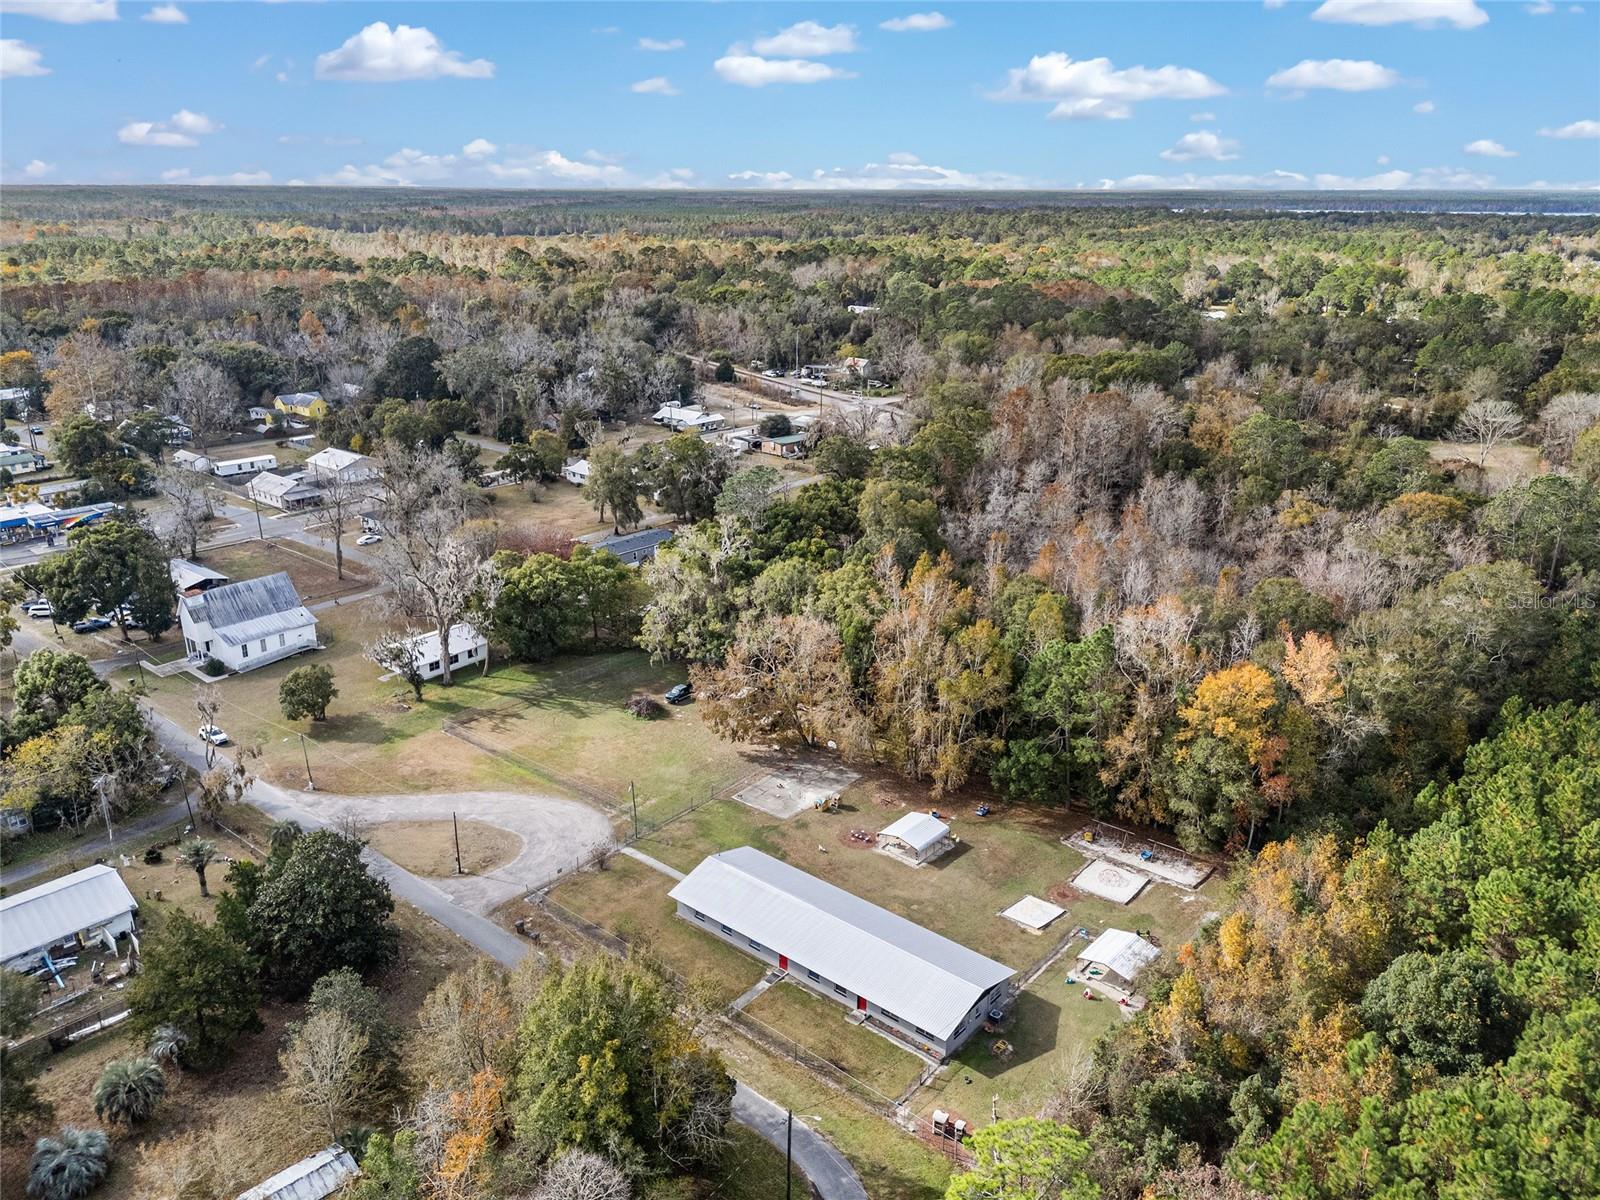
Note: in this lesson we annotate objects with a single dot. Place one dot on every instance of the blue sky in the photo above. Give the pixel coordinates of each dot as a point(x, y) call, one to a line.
point(1329, 94)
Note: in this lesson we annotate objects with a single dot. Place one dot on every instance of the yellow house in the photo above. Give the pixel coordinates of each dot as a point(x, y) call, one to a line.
point(302, 404)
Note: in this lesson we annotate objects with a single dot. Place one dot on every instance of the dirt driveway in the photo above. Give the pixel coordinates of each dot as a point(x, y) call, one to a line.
point(555, 834)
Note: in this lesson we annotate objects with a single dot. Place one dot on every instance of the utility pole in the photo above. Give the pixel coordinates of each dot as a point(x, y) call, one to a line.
point(311, 784)
point(788, 1158)
point(105, 808)
point(456, 827)
point(633, 795)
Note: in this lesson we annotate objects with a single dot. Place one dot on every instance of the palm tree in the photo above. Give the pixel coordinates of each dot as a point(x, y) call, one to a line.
point(167, 1043)
point(281, 838)
point(197, 854)
point(70, 1166)
point(128, 1089)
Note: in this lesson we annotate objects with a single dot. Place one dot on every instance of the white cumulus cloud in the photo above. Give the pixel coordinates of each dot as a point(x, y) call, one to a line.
point(479, 148)
point(68, 12)
point(900, 172)
point(166, 14)
point(752, 70)
point(661, 45)
point(379, 54)
point(38, 169)
point(1094, 89)
point(1202, 144)
point(656, 85)
point(1462, 14)
point(1423, 106)
point(917, 23)
point(180, 131)
point(17, 59)
point(1488, 148)
point(808, 39)
point(1577, 129)
point(235, 179)
point(1336, 74)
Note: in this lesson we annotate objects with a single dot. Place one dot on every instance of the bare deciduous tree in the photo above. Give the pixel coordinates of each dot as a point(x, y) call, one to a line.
point(1488, 423)
point(324, 1070)
point(581, 1175)
point(190, 507)
point(204, 397)
point(342, 498)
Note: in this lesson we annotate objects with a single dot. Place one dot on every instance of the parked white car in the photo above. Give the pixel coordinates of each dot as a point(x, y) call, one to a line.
point(369, 539)
point(210, 733)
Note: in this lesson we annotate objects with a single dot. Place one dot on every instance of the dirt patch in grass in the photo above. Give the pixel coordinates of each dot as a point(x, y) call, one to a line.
point(429, 847)
point(313, 572)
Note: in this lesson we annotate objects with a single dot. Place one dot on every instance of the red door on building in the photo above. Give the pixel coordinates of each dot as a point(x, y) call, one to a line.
point(861, 1004)
point(783, 962)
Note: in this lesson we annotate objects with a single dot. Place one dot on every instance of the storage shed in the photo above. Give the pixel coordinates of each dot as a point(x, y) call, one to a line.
point(91, 905)
point(1117, 957)
point(312, 1178)
point(917, 838)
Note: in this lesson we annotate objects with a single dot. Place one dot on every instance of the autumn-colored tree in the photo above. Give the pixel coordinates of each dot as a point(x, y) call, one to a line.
point(478, 1114)
point(1311, 667)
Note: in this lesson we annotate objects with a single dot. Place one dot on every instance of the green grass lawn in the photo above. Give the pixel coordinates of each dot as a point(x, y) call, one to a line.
point(553, 727)
point(630, 900)
point(820, 1025)
point(749, 1169)
point(892, 1164)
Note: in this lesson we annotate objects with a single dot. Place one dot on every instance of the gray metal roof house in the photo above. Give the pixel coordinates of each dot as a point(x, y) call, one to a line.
point(636, 548)
point(247, 624)
point(907, 980)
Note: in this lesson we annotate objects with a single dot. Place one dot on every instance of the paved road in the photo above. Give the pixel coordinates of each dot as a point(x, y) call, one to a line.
point(830, 1173)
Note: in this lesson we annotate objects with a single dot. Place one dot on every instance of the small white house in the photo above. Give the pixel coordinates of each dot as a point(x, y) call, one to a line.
point(701, 422)
point(19, 460)
point(247, 624)
point(257, 413)
point(670, 412)
point(468, 648)
point(576, 472)
point(286, 492)
point(193, 460)
point(344, 465)
point(254, 464)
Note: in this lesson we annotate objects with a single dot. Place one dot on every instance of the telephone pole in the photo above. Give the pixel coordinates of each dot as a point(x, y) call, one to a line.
point(311, 784)
point(456, 827)
point(788, 1158)
point(633, 795)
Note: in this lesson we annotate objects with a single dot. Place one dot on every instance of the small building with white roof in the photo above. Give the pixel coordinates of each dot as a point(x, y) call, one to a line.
point(190, 578)
point(89, 906)
point(247, 624)
point(468, 648)
point(314, 1177)
point(251, 464)
point(193, 460)
point(576, 472)
point(1116, 957)
point(904, 979)
point(916, 838)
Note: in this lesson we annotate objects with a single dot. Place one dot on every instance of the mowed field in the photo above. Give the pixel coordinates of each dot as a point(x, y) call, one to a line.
point(559, 726)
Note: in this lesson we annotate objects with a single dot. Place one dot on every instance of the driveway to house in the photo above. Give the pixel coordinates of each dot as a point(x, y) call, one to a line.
point(556, 834)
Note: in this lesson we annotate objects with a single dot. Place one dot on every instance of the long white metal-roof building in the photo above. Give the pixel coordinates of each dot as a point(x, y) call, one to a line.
point(918, 984)
point(93, 902)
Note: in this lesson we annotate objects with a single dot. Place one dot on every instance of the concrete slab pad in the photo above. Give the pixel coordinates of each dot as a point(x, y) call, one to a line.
point(1116, 884)
point(797, 789)
point(1033, 913)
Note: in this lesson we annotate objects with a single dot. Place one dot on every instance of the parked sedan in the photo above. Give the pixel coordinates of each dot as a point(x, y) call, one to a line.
point(681, 694)
point(38, 609)
point(210, 733)
point(369, 539)
point(90, 625)
point(36, 430)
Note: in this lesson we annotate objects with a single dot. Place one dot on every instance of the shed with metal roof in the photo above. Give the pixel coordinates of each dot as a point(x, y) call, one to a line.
point(88, 905)
point(1117, 956)
point(312, 1178)
point(916, 837)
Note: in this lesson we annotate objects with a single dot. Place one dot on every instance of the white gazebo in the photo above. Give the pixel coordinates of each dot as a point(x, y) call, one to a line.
point(916, 838)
